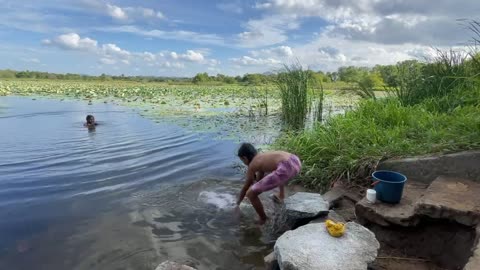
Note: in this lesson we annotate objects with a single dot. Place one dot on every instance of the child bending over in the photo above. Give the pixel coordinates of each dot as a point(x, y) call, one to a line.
point(280, 168)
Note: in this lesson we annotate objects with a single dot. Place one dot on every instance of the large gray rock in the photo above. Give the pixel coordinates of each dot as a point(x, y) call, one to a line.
point(451, 198)
point(169, 265)
point(310, 247)
point(385, 214)
point(305, 204)
point(298, 210)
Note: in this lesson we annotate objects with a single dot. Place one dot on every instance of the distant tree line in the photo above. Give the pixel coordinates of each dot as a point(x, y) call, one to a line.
point(376, 77)
point(11, 74)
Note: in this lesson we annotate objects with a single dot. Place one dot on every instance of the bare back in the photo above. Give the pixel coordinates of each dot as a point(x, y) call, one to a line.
point(268, 162)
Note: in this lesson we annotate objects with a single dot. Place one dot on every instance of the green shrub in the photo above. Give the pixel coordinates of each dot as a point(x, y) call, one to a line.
point(350, 146)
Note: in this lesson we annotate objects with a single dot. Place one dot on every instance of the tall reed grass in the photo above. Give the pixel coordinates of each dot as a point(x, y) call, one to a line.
point(300, 95)
point(448, 72)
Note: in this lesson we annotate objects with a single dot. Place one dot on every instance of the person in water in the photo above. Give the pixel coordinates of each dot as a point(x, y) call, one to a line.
point(281, 168)
point(90, 121)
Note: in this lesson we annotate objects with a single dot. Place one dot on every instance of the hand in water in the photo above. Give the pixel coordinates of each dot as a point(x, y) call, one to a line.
point(236, 212)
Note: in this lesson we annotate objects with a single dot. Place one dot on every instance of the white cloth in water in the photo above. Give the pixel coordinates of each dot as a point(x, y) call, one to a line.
point(219, 200)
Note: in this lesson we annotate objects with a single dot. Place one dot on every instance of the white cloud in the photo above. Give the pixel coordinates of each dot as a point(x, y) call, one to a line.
point(213, 62)
point(267, 31)
point(72, 41)
point(251, 61)
point(112, 54)
point(107, 61)
point(139, 13)
point(116, 12)
point(128, 14)
point(113, 50)
point(319, 54)
point(167, 35)
point(272, 57)
point(328, 50)
point(148, 57)
point(192, 56)
point(280, 52)
point(383, 21)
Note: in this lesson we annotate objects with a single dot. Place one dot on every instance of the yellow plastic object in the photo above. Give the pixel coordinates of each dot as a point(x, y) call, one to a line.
point(335, 229)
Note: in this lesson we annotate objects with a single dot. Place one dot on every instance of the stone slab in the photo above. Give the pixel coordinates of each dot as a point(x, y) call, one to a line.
point(426, 169)
point(306, 205)
point(297, 210)
point(453, 199)
point(310, 247)
point(384, 214)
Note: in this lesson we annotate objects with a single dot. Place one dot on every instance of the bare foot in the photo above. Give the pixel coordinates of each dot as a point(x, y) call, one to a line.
point(276, 198)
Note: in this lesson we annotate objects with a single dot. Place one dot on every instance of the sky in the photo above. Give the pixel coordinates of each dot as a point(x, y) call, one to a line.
point(185, 37)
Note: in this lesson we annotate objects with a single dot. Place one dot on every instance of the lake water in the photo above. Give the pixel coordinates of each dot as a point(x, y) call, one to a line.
point(127, 195)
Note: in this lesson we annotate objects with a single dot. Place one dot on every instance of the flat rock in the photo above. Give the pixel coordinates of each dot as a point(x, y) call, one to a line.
point(305, 205)
point(384, 214)
point(310, 247)
point(297, 210)
point(169, 265)
point(453, 199)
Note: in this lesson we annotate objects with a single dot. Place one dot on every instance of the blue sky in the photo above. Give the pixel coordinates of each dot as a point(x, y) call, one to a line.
point(184, 37)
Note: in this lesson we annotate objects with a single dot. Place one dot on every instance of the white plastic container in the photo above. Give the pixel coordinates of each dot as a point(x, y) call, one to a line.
point(371, 195)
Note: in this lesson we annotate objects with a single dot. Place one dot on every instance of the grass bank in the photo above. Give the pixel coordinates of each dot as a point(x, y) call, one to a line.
point(350, 146)
point(426, 116)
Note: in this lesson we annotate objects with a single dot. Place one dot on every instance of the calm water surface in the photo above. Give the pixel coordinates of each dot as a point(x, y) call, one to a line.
point(127, 195)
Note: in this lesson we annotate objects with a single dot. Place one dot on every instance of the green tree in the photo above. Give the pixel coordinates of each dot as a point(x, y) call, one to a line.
point(389, 74)
point(254, 79)
point(7, 73)
point(201, 77)
point(352, 74)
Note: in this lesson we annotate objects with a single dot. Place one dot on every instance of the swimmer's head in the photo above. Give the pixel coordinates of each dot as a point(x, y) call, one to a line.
point(247, 152)
point(90, 119)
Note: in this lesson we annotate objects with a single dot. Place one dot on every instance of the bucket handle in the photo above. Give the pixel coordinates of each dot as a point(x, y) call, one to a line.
point(375, 183)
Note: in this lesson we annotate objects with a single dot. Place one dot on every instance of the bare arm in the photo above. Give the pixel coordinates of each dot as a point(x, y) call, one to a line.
point(248, 183)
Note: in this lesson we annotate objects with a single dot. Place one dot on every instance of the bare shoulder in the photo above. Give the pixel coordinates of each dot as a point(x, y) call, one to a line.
point(277, 155)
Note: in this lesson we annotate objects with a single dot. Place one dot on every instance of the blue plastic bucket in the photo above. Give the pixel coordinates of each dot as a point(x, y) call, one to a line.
point(389, 185)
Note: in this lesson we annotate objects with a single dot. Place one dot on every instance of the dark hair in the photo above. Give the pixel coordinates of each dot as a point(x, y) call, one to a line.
point(89, 117)
point(247, 150)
